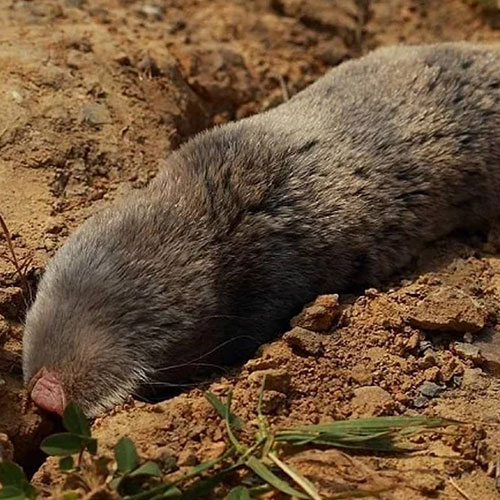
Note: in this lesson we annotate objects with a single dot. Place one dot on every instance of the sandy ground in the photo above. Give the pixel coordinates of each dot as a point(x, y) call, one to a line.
point(94, 94)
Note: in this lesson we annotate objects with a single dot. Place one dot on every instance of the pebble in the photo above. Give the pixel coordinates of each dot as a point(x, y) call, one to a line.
point(371, 400)
point(186, 458)
point(276, 380)
point(425, 345)
point(304, 340)
point(272, 400)
point(475, 379)
point(362, 373)
point(448, 309)
point(468, 351)
point(152, 11)
point(96, 114)
point(320, 315)
point(431, 389)
point(420, 402)
point(214, 450)
point(489, 343)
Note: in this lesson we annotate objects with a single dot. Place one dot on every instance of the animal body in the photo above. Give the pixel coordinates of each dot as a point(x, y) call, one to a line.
point(342, 185)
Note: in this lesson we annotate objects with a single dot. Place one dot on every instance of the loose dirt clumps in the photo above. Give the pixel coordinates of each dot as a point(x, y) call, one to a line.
point(95, 94)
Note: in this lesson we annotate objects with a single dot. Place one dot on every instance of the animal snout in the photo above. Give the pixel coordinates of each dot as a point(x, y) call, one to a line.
point(47, 392)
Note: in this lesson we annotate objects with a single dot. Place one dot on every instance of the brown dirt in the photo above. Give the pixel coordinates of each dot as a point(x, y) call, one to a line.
point(93, 96)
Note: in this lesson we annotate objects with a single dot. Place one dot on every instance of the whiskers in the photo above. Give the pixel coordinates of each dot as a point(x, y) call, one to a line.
point(195, 361)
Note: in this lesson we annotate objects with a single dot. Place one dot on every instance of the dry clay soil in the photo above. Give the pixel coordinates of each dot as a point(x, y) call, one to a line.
point(93, 96)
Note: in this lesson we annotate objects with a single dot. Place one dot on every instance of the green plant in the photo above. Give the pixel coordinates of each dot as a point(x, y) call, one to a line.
point(260, 463)
point(15, 486)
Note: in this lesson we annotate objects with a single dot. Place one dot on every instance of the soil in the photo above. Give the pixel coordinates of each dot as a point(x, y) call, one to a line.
point(94, 94)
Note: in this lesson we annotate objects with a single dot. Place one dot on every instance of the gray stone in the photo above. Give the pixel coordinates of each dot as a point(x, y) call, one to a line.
point(430, 389)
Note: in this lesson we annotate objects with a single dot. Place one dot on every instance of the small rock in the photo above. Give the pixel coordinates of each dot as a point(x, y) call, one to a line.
point(452, 368)
point(272, 400)
point(214, 450)
point(468, 351)
point(424, 345)
point(54, 226)
point(17, 95)
point(276, 380)
point(320, 315)
point(186, 458)
point(96, 114)
point(153, 11)
point(420, 402)
point(123, 59)
point(304, 340)
point(475, 379)
point(400, 397)
point(430, 389)
point(165, 455)
point(448, 309)
point(489, 343)
point(259, 364)
point(429, 359)
point(468, 337)
point(48, 244)
point(371, 400)
point(362, 373)
point(432, 374)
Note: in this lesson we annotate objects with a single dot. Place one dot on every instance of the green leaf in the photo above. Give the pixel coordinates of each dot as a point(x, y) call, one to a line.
point(146, 469)
point(70, 495)
point(29, 491)
point(63, 444)
point(11, 475)
point(74, 421)
point(126, 455)
point(265, 473)
point(66, 463)
point(239, 493)
point(115, 483)
point(92, 446)
point(172, 492)
point(157, 493)
point(11, 493)
point(220, 407)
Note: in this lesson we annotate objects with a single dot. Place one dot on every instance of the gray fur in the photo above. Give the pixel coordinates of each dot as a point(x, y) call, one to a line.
point(340, 186)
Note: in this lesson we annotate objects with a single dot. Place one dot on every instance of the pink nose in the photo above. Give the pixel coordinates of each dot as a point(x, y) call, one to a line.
point(47, 392)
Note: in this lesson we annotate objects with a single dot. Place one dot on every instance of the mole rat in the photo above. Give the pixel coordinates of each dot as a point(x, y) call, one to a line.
point(341, 185)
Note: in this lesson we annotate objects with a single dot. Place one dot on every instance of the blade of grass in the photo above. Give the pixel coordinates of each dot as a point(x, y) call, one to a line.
point(377, 434)
point(199, 469)
point(205, 486)
point(241, 449)
point(294, 474)
point(269, 477)
point(161, 491)
point(220, 408)
point(377, 424)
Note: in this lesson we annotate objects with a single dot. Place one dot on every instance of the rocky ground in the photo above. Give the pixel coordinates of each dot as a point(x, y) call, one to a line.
point(93, 96)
